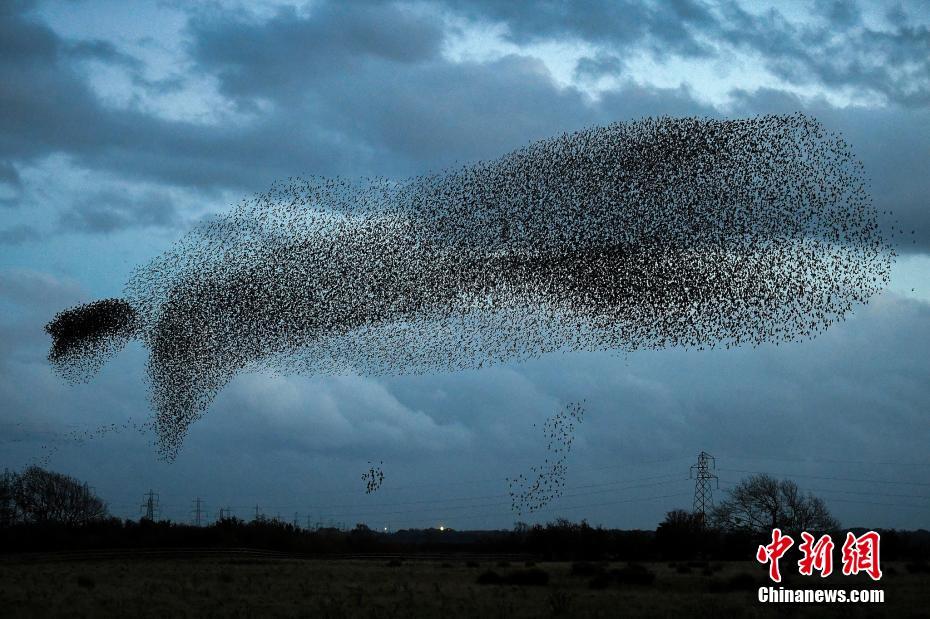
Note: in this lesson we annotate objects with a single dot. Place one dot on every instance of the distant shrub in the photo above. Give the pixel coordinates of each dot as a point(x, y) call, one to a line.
point(394, 563)
point(530, 564)
point(503, 564)
point(918, 567)
point(601, 581)
point(560, 602)
point(86, 582)
point(683, 569)
point(472, 564)
point(533, 577)
point(633, 574)
point(489, 577)
point(585, 569)
point(738, 582)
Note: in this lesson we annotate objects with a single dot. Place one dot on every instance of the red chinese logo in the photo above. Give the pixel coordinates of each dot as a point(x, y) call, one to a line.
point(860, 554)
point(817, 556)
point(773, 552)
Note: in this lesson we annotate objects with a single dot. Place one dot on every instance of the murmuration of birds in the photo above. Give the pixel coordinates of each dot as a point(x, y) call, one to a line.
point(373, 477)
point(661, 232)
point(543, 484)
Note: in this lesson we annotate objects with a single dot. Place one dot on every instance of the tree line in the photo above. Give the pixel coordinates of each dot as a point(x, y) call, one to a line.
point(38, 496)
point(42, 510)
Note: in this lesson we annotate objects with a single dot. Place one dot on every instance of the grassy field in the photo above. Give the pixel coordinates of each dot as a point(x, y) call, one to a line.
point(249, 587)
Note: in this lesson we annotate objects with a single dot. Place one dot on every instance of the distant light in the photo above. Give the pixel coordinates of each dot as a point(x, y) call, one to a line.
point(442, 528)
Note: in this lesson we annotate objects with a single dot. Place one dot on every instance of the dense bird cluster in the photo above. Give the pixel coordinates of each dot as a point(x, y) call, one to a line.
point(648, 234)
point(373, 478)
point(544, 483)
point(84, 337)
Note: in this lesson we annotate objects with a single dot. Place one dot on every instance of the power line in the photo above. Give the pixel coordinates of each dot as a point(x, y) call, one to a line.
point(871, 481)
point(828, 490)
point(827, 461)
point(455, 508)
point(835, 500)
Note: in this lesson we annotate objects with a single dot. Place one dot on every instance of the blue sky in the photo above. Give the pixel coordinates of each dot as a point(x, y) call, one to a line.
point(124, 124)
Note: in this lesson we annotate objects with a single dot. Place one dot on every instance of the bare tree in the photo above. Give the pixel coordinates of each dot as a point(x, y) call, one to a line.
point(42, 496)
point(7, 505)
point(760, 503)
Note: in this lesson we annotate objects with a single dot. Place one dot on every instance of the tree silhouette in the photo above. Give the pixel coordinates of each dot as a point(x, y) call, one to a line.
point(41, 496)
point(761, 503)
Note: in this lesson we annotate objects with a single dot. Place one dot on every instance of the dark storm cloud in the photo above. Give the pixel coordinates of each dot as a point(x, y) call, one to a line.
point(103, 51)
point(836, 49)
point(839, 50)
point(47, 107)
point(406, 112)
point(11, 184)
point(111, 211)
point(599, 65)
point(37, 290)
point(280, 58)
point(387, 106)
point(668, 28)
point(9, 175)
point(19, 234)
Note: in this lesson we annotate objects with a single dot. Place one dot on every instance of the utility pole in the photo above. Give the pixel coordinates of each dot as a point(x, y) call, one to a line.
point(703, 492)
point(149, 506)
point(296, 521)
point(258, 512)
point(198, 512)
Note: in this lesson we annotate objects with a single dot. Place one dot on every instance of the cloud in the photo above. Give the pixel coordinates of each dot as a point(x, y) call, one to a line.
point(324, 98)
point(345, 416)
point(18, 235)
point(667, 28)
point(841, 51)
point(282, 56)
point(834, 47)
point(38, 290)
point(111, 211)
point(102, 51)
point(599, 65)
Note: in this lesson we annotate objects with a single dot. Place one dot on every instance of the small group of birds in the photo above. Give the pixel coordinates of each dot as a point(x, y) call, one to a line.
point(545, 483)
point(52, 441)
point(373, 478)
point(655, 233)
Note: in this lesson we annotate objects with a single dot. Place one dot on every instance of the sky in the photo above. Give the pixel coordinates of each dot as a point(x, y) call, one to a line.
point(124, 124)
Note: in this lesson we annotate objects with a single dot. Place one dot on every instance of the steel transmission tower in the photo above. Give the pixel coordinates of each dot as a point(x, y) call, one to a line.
point(702, 472)
point(150, 505)
point(198, 512)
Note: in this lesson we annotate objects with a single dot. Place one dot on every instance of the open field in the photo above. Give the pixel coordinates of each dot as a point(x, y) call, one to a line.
point(244, 586)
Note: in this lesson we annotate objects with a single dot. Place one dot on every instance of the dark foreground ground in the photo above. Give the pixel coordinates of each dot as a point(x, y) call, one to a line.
point(244, 586)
